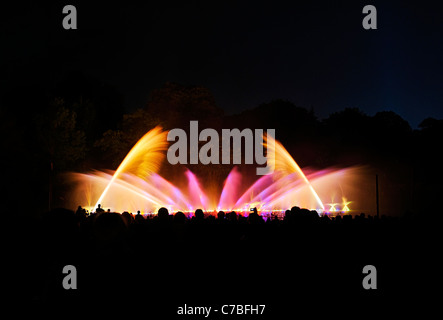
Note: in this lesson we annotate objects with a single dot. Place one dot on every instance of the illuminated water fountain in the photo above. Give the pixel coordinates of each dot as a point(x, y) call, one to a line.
point(136, 185)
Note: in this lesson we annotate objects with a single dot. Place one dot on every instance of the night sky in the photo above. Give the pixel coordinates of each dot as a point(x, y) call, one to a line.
point(317, 56)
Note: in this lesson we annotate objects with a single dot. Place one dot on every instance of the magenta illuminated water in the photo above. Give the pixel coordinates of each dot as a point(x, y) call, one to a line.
point(136, 185)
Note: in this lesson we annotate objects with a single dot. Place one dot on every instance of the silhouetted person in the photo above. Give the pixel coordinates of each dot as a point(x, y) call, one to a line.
point(179, 218)
point(79, 211)
point(163, 214)
point(99, 209)
point(296, 215)
point(313, 216)
point(253, 217)
point(80, 214)
point(325, 218)
point(127, 218)
point(139, 218)
point(232, 216)
point(199, 215)
point(210, 219)
point(295, 210)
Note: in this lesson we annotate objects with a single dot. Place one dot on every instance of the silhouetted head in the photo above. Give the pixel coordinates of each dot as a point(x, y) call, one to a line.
point(163, 214)
point(80, 213)
point(199, 215)
point(179, 217)
point(232, 216)
point(221, 215)
point(127, 218)
point(139, 218)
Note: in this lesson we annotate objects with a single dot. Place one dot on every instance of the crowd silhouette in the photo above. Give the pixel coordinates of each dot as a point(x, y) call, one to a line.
point(167, 257)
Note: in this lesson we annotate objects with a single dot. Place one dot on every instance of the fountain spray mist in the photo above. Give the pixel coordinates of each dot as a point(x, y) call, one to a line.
point(144, 158)
point(136, 185)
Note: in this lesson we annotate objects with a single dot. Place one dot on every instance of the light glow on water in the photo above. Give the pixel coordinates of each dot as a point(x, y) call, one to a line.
point(136, 185)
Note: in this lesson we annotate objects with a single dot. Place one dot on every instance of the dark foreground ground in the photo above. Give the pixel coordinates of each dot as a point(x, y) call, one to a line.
point(302, 265)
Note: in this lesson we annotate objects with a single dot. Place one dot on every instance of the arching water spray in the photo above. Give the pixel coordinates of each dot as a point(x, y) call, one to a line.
point(144, 158)
point(284, 164)
point(136, 185)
